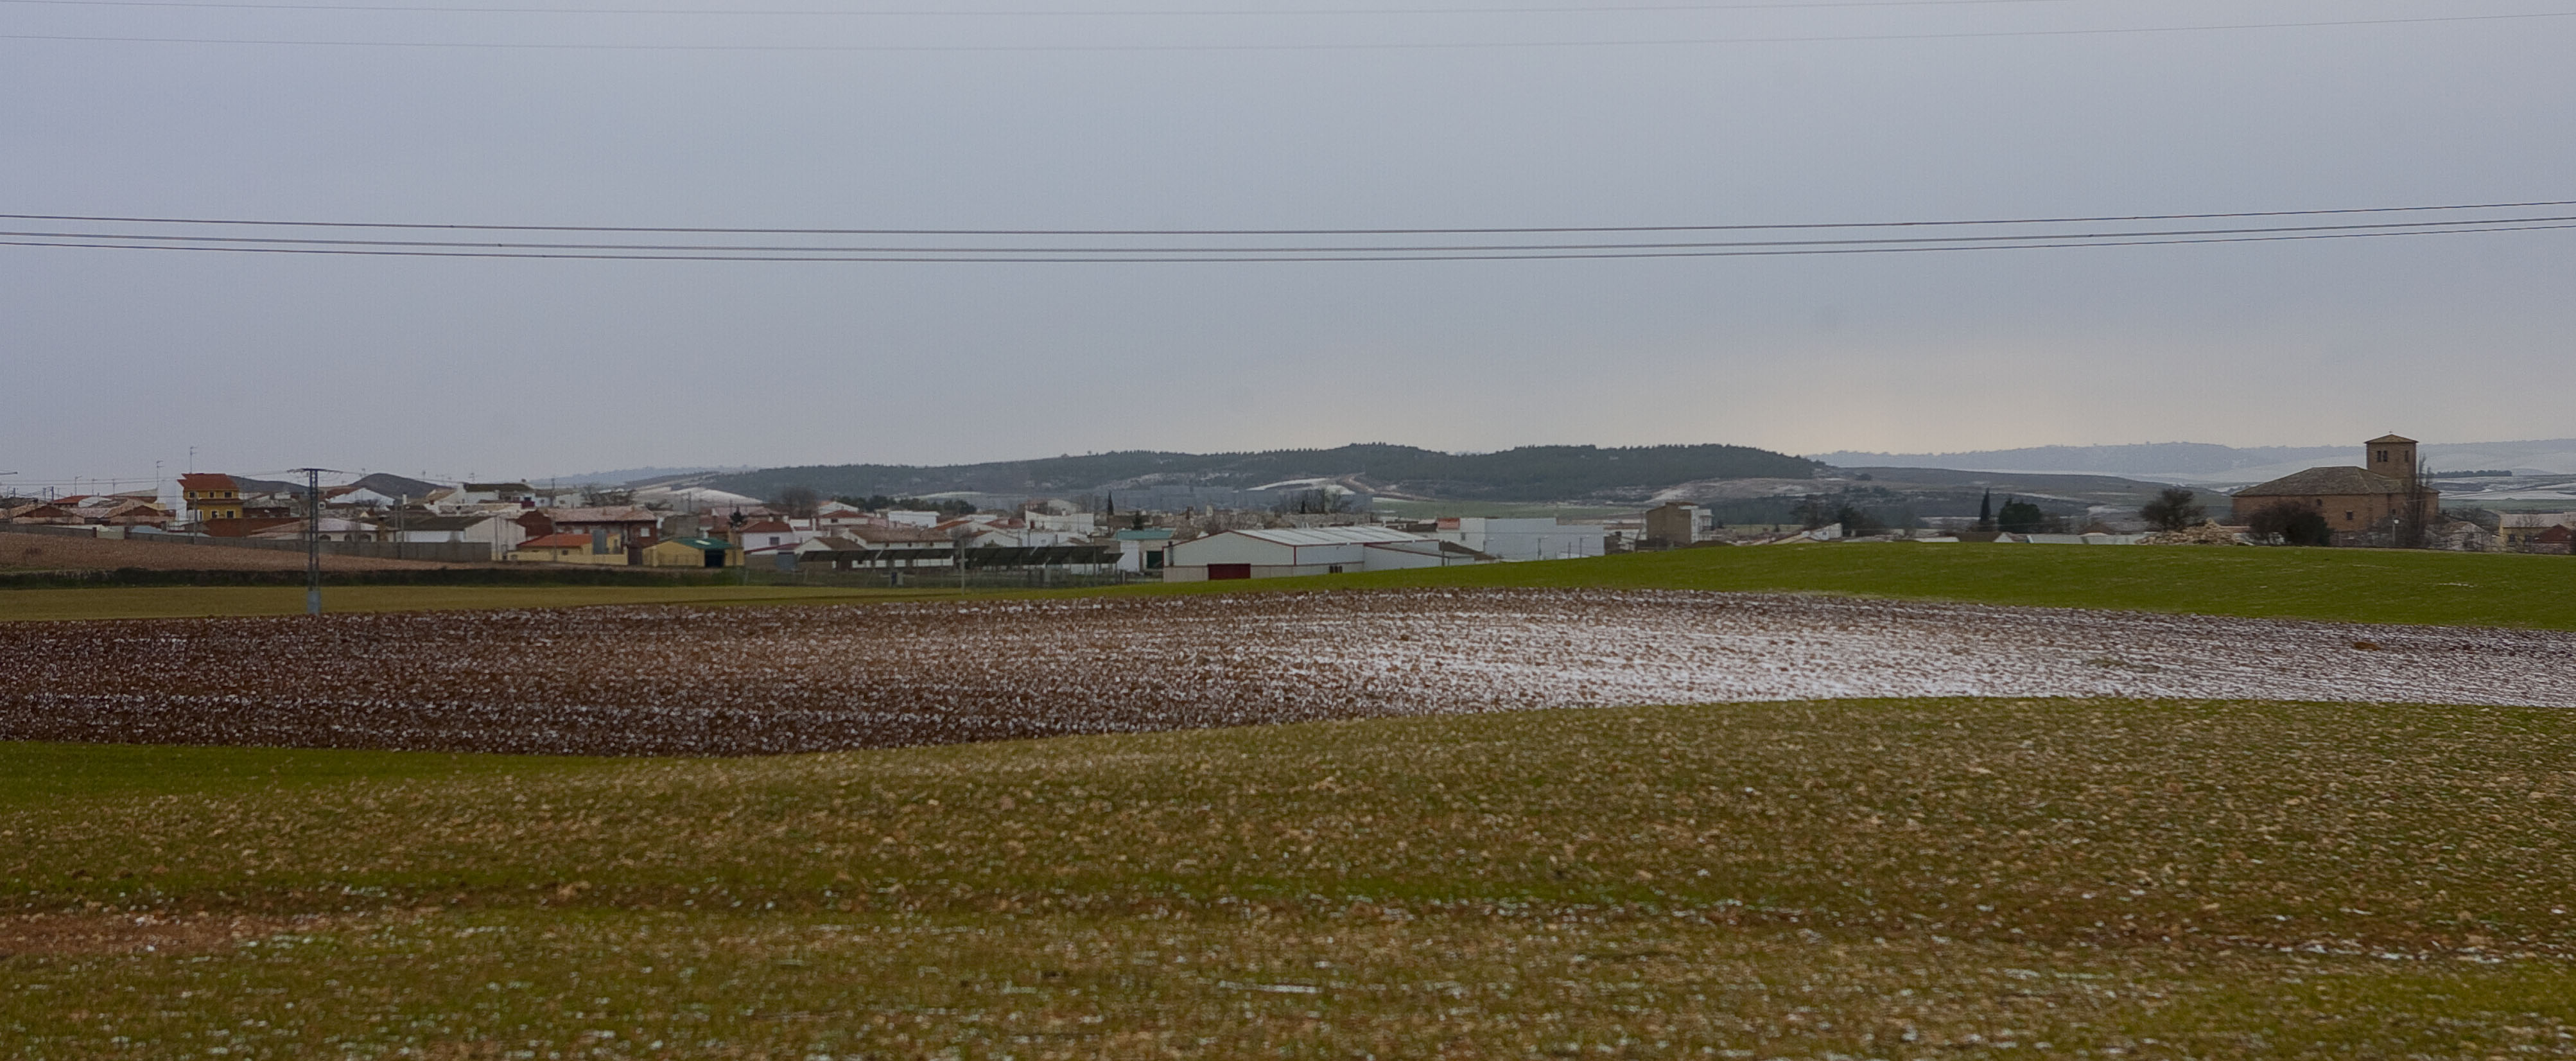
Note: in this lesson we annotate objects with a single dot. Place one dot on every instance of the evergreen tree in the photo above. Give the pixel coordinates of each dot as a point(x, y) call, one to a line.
point(1986, 511)
point(2021, 517)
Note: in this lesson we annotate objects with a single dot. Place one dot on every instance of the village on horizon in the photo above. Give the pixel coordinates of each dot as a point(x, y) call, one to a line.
point(1314, 525)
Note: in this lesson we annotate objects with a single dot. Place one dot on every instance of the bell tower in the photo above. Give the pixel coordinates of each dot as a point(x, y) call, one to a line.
point(2392, 456)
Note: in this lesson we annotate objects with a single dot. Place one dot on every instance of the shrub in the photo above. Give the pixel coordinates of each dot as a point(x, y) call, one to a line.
point(2290, 523)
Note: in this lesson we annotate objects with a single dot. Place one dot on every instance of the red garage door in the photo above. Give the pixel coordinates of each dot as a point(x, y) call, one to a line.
point(1220, 571)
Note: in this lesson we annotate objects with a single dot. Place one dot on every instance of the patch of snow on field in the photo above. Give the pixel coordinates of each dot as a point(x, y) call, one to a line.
point(663, 680)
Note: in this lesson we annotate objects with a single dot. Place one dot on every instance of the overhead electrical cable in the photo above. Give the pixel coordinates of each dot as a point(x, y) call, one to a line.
point(2535, 204)
point(1850, 244)
point(1767, 5)
point(2425, 226)
point(1061, 259)
point(1318, 47)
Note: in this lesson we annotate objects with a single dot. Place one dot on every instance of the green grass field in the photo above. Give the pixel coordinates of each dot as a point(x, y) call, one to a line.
point(1864, 879)
point(2342, 585)
point(2346, 585)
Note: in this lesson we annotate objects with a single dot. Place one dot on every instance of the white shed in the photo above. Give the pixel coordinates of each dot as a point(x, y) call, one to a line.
point(1525, 539)
point(1308, 551)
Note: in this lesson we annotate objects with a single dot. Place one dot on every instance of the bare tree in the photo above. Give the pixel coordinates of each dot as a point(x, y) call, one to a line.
point(799, 501)
point(2173, 510)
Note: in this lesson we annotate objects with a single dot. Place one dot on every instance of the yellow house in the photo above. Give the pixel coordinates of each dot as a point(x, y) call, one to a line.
point(211, 496)
point(692, 552)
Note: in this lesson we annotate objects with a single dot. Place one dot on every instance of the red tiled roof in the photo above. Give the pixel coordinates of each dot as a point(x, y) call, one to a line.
point(206, 481)
point(766, 526)
point(2326, 482)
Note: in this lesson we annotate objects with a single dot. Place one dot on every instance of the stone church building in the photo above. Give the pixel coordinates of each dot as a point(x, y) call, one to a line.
point(2383, 503)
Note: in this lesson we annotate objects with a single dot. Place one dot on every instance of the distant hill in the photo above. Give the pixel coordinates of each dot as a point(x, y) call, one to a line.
point(392, 485)
point(638, 476)
point(2201, 462)
point(2152, 458)
point(1530, 473)
point(386, 483)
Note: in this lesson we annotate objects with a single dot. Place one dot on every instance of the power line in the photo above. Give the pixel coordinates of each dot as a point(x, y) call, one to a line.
point(1327, 47)
point(1772, 5)
point(1227, 257)
point(1511, 230)
point(1283, 250)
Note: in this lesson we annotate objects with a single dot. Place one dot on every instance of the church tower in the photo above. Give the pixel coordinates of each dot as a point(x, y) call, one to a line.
point(2392, 456)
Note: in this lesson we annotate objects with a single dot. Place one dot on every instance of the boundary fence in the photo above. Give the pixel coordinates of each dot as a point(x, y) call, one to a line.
point(438, 552)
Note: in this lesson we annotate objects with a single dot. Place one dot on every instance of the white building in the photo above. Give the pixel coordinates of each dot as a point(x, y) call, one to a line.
point(1524, 539)
point(361, 497)
point(764, 537)
point(1144, 550)
point(1308, 551)
point(498, 531)
point(879, 547)
point(841, 519)
point(1063, 522)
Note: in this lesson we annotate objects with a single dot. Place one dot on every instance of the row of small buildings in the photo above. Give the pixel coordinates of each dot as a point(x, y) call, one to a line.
point(514, 522)
point(2386, 501)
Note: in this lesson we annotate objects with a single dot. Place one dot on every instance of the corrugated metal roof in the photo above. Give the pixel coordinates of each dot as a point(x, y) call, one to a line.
point(1329, 535)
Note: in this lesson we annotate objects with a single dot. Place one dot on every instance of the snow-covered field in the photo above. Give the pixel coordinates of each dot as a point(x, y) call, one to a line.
point(753, 680)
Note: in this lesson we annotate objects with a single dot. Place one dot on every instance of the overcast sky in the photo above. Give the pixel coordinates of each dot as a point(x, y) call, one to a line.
point(114, 359)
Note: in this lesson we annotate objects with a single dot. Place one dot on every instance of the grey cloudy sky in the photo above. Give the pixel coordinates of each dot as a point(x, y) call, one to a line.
point(114, 359)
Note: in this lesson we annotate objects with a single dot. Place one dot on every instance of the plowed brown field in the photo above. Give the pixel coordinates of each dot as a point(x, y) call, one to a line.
point(644, 681)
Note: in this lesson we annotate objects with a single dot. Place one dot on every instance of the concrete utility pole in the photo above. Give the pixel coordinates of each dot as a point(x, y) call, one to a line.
point(313, 539)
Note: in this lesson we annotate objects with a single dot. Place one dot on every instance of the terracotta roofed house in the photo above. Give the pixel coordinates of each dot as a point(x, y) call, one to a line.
point(211, 496)
point(616, 528)
point(767, 536)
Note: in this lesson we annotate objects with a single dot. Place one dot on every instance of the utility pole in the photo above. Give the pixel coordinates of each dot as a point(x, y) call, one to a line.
point(313, 540)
